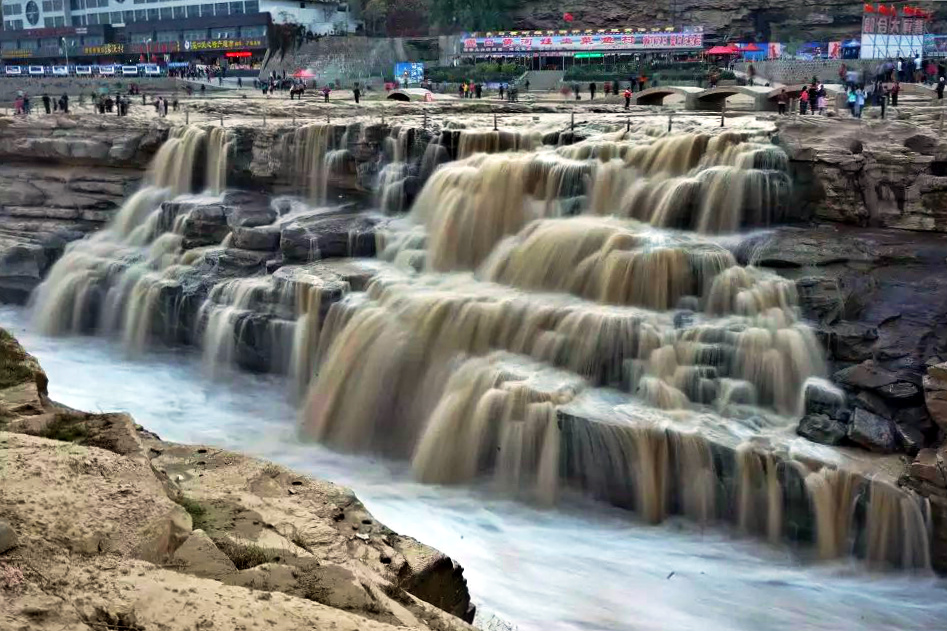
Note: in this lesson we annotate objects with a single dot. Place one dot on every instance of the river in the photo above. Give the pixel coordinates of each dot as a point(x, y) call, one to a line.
point(581, 566)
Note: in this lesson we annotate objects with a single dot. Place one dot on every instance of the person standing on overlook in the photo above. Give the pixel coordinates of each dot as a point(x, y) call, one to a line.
point(592, 91)
point(782, 101)
point(46, 102)
point(627, 96)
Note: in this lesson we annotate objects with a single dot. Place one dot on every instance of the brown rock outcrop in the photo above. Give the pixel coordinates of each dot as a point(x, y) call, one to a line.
point(61, 178)
point(935, 394)
point(114, 528)
point(881, 174)
point(757, 20)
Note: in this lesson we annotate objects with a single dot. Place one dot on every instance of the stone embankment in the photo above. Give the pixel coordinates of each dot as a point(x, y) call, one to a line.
point(104, 525)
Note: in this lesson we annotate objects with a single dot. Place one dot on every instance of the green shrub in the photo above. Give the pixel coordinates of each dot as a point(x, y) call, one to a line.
point(197, 512)
point(66, 429)
point(15, 366)
point(244, 556)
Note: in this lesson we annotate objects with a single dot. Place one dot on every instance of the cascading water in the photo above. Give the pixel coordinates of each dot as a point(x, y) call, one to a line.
point(640, 365)
point(693, 181)
point(571, 328)
point(308, 148)
point(113, 281)
point(219, 145)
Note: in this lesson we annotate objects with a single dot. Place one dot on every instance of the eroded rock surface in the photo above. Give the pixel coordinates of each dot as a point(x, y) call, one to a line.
point(114, 528)
point(886, 174)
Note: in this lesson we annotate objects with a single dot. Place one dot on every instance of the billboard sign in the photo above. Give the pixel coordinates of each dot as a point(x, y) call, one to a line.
point(409, 73)
point(890, 36)
point(616, 41)
point(222, 44)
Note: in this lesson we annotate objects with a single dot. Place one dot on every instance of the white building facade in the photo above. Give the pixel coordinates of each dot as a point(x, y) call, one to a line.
point(317, 16)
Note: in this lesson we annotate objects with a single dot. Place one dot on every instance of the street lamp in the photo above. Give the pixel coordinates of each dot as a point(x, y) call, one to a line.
point(148, 50)
point(65, 51)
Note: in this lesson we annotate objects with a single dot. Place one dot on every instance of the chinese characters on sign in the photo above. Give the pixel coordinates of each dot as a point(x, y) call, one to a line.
point(105, 49)
point(155, 48)
point(891, 25)
point(223, 44)
point(600, 42)
point(887, 35)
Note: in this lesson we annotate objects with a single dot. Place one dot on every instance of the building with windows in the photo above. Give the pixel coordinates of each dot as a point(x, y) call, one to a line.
point(317, 16)
point(173, 31)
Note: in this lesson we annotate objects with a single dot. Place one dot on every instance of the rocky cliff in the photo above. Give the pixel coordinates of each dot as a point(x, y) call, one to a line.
point(756, 20)
point(889, 174)
point(103, 525)
point(61, 178)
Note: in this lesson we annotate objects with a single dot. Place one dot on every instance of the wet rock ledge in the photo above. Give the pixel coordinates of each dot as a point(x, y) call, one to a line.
point(104, 525)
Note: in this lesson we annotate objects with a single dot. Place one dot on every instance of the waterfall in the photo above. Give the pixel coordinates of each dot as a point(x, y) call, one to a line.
point(701, 183)
point(219, 145)
point(548, 318)
point(114, 281)
point(308, 147)
point(561, 336)
point(173, 166)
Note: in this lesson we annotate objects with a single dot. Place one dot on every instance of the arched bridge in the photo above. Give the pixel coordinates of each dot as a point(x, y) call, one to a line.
point(764, 98)
point(714, 98)
point(656, 96)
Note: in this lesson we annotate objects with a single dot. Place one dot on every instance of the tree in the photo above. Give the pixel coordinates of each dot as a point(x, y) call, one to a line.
point(375, 14)
point(408, 17)
point(472, 15)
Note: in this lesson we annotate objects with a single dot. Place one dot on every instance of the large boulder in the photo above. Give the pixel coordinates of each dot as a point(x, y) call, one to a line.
point(866, 375)
point(201, 221)
point(935, 394)
point(822, 397)
point(259, 513)
point(91, 500)
point(872, 432)
point(822, 429)
point(8, 539)
point(95, 497)
point(201, 557)
point(328, 235)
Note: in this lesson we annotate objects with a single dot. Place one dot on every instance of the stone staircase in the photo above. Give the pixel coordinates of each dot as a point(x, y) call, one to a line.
point(342, 59)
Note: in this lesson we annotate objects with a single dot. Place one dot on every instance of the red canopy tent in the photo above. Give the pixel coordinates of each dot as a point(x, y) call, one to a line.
point(304, 74)
point(723, 50)
point(750, 48)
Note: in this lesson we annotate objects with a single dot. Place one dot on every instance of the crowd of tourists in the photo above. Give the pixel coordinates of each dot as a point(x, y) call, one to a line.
point(22, 105)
